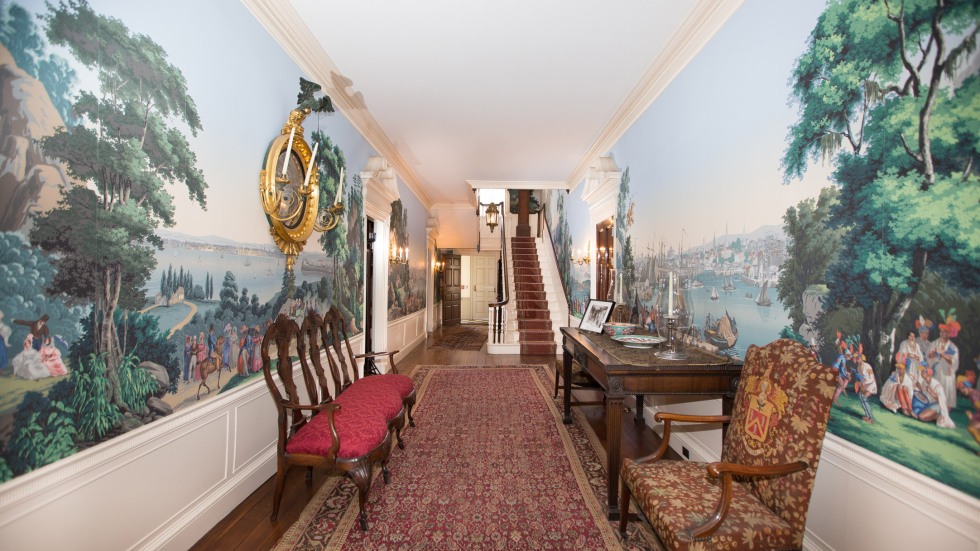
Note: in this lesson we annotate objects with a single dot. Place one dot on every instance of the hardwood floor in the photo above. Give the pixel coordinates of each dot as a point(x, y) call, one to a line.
point(248, 526)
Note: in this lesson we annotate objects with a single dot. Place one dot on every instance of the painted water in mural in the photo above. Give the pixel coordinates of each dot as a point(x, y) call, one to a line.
point(137, 274)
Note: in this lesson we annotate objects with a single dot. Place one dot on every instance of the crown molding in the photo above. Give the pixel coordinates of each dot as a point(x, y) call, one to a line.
point(529, 184)
point(701, 24)
point(292, 33)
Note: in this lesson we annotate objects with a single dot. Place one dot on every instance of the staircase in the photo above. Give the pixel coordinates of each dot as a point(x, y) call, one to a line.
point(534, 328)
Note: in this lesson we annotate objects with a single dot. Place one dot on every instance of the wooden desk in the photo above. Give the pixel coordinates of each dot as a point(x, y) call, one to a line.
point(623, 371)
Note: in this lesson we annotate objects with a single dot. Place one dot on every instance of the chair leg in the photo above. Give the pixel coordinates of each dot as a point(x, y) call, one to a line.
point(362, 475)
point(277, 494)
point(409, 404)
point(624, 507)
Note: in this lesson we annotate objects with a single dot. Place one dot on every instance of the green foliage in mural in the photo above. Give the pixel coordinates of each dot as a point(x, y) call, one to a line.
point(139, 335)
point(25, 272)
point(813, 246)
point(127, 150)
point(881, 95)
point(137, 384)
point(92, 400)
point(20, 36)
point(43, 432)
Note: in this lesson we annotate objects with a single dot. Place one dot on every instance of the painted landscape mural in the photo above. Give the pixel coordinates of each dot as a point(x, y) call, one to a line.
point(137, 273)
point(812, 175)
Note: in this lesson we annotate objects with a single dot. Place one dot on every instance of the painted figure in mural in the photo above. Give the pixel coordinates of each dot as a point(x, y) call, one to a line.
point(51, 357)
point(967, 386)
point(226, 349)
point(245, 345)
point(897, 391)
point(39, 330)
point(5, 332)
point(212, 342)
point(201, 351)
point(914, 355)
point(28, 364)
point(929, 403)
point(256, 337)
point(188, 350)
point(866, 386)
point(924, 328)
point(236, 347)
point(944, 357)
point(193, 362)
point(843, 373)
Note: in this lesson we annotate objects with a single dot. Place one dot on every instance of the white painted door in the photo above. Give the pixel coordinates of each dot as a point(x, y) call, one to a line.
point(483, 273)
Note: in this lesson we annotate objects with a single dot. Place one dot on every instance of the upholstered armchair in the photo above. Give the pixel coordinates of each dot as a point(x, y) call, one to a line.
point(757, 496)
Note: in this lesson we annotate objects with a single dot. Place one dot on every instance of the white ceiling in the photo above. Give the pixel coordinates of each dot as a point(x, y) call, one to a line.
point(456, 94)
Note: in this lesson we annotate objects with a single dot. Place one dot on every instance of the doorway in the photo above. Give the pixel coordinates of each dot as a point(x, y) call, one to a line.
point(452, 290)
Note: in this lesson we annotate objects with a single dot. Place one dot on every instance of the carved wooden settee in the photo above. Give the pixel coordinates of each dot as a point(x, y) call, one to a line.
point(350, 429)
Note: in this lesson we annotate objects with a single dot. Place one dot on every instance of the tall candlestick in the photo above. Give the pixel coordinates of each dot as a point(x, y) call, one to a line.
point(312, 167)
point(289, 151)
point(340, 188)
point(670, 294)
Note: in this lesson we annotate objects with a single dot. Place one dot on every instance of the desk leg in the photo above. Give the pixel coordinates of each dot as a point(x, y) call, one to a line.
point(639, 408)
point(614, 431)
point(567, 384)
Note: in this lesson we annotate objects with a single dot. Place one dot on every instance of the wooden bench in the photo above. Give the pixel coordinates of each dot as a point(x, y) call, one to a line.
point(351, 433)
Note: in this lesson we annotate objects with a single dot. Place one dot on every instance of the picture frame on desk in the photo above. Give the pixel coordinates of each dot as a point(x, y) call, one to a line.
point(596, 314)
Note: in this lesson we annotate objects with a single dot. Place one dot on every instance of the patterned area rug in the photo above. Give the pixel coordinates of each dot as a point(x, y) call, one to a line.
point(464, 337)
point(503, 472)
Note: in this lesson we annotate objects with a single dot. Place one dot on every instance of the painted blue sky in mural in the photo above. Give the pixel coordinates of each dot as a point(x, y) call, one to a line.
point(727, 152)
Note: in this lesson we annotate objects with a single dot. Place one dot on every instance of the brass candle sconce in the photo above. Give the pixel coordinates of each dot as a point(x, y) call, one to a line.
point(289, 187)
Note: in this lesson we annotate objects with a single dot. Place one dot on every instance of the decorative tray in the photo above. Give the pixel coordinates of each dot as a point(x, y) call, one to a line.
point(639, 341)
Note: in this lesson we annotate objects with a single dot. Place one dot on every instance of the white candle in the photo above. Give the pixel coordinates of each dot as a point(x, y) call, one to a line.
point(312, 167)
point(289, 150)
point(340, 187)
point(670, 294)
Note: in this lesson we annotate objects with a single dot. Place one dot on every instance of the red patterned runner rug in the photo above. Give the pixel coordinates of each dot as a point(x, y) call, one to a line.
point(490, 465)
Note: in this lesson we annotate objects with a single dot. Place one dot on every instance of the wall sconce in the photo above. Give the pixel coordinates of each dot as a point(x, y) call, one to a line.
point(398, 256)
point(440, 266)
point(583, 259)
point(289, 188)
point(493, 216)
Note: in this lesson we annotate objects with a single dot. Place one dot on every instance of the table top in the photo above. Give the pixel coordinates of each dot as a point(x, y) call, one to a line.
point(611, 353)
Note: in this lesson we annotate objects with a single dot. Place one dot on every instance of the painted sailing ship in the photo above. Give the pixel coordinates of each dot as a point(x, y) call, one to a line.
point(763, 298)
point(728, 282)
point(723, 333)
point(714, 293)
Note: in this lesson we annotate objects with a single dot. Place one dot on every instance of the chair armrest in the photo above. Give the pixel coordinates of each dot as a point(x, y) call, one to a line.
point(725, 471)
point(667, 418)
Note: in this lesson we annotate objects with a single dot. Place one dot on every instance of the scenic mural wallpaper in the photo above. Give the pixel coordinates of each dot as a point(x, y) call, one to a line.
point(812, 174)
point(137, 273)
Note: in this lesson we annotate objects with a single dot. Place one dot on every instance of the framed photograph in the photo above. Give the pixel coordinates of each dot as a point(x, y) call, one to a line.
point(596, 313)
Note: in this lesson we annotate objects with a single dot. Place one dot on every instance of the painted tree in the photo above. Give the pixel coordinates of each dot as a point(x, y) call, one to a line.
point(881, 96)
point(563, 244)
point(624, 249)
point(124, 153)
point(811, 248)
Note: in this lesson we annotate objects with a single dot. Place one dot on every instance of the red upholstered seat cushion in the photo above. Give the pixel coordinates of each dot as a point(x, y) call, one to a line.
point(676, 495)
point(400, 383)
point(360, 430)
point(381, 399)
